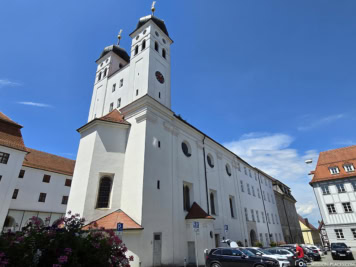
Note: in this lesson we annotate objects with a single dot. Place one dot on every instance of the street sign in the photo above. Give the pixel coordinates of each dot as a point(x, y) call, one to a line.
point(120, 227)
point(196, 225)
point(226, 227)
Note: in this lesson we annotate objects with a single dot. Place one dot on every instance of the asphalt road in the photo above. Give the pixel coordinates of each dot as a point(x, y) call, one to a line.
point(328, 261)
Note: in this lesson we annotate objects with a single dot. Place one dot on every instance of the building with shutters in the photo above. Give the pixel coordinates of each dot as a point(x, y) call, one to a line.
point(334, 185)
point(32, 182)
point(140, 164)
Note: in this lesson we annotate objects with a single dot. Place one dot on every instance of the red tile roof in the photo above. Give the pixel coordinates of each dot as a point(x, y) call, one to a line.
point(334, 158)
point(10, 133)
point(110, 221)
point(196, 212)
point(49, 162)
point(114, 116)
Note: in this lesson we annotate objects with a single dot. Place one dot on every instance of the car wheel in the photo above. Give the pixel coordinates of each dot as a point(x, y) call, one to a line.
point(215, 264)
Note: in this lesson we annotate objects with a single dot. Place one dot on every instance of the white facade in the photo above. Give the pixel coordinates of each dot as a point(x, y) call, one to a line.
point(7, 181)
point(340, 223)
point(148, 168)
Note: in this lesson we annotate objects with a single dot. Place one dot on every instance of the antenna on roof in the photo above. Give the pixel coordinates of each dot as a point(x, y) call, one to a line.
point(153, 8)
point(119, 37)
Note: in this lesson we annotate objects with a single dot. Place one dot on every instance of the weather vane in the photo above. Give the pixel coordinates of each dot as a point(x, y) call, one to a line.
point(153, 8)
point(119, 37)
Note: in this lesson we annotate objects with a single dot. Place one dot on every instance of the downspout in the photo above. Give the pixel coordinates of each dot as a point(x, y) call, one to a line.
point(264, 207)
point(285, 212)
point(206, 177)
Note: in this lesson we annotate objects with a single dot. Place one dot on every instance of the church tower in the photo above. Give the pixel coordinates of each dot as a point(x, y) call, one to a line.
point(150, 69)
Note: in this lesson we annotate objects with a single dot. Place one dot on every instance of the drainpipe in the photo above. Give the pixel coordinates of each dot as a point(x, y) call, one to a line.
point(264, 206)
point(285, 212)
point(206, 177)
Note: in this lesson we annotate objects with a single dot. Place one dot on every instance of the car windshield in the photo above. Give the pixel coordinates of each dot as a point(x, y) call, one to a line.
point(338, 245)
point(265, 252)
point(247, 252)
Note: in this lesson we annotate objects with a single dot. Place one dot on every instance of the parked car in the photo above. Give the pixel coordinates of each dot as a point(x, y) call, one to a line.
point(316, 249)
point(341, 251)
point(284, 251)
point(292, 249)
point(314, 255)
point(229, 257)
point(282, 259)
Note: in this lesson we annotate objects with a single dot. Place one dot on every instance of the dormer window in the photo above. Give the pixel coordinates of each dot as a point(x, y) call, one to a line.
point(349, 167)
point(334, 170)
point(156, 46)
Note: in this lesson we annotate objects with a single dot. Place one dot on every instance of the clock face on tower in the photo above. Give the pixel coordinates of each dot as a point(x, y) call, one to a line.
point(159, 77)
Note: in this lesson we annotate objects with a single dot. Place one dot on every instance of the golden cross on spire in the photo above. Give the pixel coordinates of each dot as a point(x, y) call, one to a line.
point(153, 8)
point(119, 37)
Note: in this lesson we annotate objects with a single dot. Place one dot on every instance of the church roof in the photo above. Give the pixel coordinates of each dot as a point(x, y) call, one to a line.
point(334, 158)
point(114, 116)
point(196, 212)
point(117, 50)
point(110, 221)
point(157, 21)
point(48, 162)
point(10, 133)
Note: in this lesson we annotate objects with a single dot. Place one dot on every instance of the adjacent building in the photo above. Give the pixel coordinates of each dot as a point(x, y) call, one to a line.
point(334, 185)
point(287, 213)
point(311, 235)
point(32, 182)
point(140, 164)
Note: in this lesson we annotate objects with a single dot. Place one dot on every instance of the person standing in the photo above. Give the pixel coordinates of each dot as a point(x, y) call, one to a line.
point(300, 252)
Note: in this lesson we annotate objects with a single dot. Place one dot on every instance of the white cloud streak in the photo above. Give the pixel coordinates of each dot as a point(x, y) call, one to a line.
point(8, 83)
point(41, 105)
point(273, 154)
point(321, 122)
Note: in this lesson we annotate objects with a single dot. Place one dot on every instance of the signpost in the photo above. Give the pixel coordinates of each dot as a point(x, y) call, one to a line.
point(120, 228)
point(196, 230)
point(226, 229)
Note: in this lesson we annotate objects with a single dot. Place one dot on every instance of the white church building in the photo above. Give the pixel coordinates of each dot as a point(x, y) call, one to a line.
point(140, 164)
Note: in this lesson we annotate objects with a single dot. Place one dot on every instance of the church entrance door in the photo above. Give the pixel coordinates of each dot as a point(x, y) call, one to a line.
point(157, 249)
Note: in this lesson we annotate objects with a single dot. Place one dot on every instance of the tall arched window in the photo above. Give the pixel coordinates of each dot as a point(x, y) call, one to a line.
point(164, 53)
point(212, 203)
point(99, 77)
point(136, 50)
point(186, 197)
point(105, 72)
point(156, 46)
point(143, 44)
point(104, 193)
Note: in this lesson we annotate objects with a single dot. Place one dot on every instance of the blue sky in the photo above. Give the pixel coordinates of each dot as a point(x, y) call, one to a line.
point(272, 80)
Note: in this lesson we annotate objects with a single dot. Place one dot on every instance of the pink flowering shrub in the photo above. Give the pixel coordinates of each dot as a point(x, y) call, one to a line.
point(64, 244)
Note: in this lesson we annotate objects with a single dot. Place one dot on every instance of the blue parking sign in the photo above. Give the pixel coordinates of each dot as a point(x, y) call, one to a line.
point(120, 227)
point(196, 225)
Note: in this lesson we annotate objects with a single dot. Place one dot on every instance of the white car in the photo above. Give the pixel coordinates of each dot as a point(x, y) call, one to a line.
point(312, 247)
point(283, 260)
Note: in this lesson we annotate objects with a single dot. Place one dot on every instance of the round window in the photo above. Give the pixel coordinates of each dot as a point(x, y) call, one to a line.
point(144, 32)
point(137, 37)
point(157, 34)
point(186, 149)
point(210, 161)
point(164, 41)
point(228, 169)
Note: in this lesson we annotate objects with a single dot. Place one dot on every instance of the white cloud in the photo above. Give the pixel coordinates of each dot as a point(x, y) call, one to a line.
point(5, 82)
point(273, 154)
point(41, 105)
point(320, 122)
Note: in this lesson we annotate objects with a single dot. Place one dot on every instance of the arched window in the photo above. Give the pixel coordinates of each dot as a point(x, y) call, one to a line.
point(99, 77)
point(105, 72)
point(104, 193)
point(212, 203)
point(156, 46)
point(143, 44)
point(136, 50)
point(186, 197)
point(9, 222)
point(164, 53)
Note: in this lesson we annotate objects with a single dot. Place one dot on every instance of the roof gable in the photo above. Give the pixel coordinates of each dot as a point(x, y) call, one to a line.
point(10, 133)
